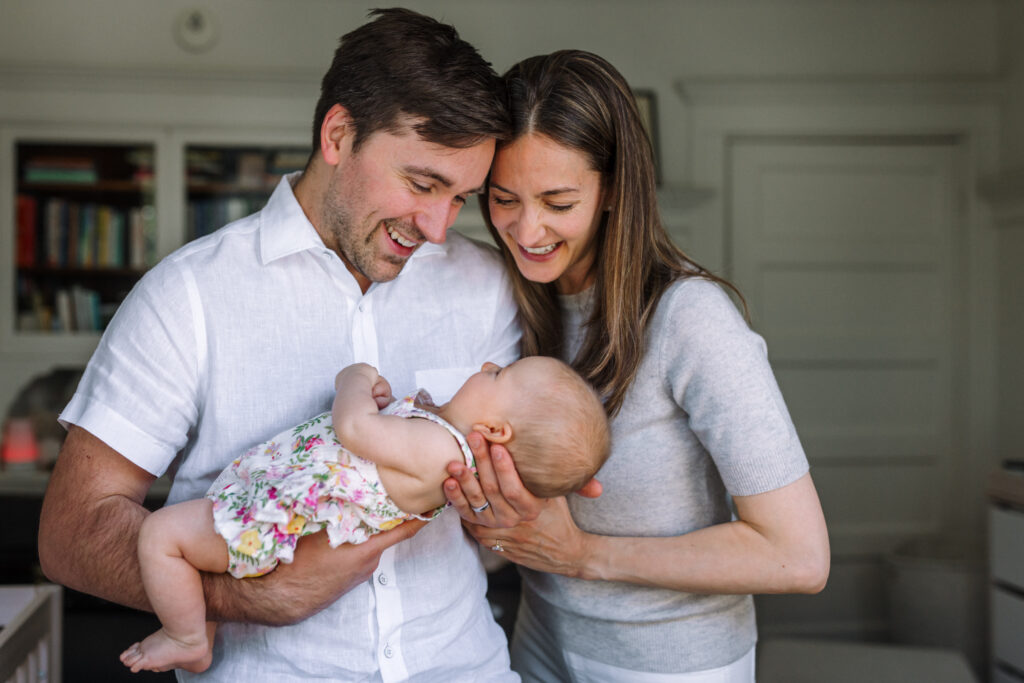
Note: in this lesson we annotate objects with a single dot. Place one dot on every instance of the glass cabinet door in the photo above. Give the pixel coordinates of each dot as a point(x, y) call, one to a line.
point(226, 183)
point(84, 232)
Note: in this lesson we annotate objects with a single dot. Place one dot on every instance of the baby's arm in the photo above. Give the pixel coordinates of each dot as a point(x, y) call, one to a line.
point(410, 454)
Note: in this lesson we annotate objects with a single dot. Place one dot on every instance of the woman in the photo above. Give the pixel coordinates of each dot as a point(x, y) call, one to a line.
point(652, 580)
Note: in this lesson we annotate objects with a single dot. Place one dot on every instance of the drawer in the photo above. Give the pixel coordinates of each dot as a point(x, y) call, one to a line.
point(1006, 546)
point(1008, 628)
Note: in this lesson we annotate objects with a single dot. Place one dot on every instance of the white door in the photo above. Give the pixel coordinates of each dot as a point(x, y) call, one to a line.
point(846, 250)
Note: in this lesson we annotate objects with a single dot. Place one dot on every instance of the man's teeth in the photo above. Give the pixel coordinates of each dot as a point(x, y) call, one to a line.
point(540, 251)
point(401, 240)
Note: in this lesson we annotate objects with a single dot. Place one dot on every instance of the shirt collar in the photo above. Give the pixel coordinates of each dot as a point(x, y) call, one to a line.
point(285, 229)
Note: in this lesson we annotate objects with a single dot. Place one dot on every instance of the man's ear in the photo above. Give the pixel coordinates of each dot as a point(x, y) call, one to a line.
point(500, 432)
point(336, 132)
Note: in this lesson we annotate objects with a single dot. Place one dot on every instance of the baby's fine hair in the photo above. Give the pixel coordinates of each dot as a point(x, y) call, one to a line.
point(560, 436)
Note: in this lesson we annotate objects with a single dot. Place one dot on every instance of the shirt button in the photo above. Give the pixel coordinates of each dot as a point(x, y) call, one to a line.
point(388, 652)
point(383, 579)
point(362, 307)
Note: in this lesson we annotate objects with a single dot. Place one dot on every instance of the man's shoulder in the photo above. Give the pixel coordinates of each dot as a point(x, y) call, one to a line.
point(236, 236)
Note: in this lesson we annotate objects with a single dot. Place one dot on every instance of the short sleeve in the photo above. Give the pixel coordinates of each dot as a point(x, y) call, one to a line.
point(139, 393)
point(720, 376)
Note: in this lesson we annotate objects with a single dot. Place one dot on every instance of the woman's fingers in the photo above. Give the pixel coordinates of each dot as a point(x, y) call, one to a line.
point(494, 496)
point(519, 504)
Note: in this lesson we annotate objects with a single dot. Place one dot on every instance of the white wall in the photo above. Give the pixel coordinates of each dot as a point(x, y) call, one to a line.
point(1011, 238)
point(653, 42)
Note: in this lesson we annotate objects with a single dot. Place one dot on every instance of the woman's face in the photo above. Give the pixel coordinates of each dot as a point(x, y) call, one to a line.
point(546, 203)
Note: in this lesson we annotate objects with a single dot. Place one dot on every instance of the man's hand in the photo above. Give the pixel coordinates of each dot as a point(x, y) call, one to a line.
point(317, 577)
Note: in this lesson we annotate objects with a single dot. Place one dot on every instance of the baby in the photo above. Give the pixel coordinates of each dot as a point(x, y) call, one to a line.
point(353, 472)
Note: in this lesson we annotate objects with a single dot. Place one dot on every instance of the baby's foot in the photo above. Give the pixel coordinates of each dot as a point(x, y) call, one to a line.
point(162, 652)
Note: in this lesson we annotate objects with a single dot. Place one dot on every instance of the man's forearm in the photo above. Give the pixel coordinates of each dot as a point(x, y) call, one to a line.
point(317, 577)
point(89, 526)
point(95, 551)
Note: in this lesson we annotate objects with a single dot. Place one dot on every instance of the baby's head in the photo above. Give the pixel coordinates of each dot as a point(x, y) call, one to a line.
point(549, 418)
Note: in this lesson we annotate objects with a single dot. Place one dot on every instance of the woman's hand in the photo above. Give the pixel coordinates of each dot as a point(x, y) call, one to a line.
point(550, 543)
point(494, 497)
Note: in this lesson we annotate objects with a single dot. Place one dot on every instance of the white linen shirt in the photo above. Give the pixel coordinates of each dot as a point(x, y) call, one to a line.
point(239, 335)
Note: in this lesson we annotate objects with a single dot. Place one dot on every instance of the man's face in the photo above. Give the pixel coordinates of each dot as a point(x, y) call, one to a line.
point(397, 192)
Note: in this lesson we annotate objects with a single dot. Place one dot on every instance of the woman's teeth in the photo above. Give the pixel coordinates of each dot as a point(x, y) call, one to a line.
point(540, 251)
point(401, 240)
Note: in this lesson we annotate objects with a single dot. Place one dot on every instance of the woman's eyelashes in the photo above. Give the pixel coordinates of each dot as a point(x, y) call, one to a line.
point(505, 202)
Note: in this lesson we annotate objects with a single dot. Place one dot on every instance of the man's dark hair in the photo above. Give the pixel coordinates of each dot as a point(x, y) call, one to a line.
point(406, 64)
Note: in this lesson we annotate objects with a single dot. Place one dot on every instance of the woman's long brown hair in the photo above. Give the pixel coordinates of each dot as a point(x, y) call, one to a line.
point(582, 102)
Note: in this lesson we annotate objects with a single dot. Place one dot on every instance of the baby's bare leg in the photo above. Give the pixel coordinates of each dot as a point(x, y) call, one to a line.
point(175, 544)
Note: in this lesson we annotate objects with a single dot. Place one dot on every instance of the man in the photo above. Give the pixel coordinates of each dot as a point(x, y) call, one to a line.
point(241, 333)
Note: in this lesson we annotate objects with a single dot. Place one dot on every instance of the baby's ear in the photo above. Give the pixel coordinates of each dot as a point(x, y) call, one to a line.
point(500, 432)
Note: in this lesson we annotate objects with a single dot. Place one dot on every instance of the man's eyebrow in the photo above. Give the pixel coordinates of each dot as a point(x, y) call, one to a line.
point(428, 172)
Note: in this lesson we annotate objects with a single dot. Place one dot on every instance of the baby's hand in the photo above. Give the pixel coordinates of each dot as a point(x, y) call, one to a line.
point(381, 393)
point(380, 389)
point(350, 372)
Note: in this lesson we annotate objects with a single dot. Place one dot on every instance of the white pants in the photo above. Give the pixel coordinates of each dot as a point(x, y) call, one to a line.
point(537, 659)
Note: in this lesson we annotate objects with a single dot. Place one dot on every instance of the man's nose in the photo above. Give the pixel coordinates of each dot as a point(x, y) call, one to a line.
point(435, 219)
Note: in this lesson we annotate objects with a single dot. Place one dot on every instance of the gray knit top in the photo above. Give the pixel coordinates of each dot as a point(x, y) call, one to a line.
point(703, 420)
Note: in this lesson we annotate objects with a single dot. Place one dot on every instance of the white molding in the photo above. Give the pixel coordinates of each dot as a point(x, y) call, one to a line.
point(859, 90)
point(265, 82)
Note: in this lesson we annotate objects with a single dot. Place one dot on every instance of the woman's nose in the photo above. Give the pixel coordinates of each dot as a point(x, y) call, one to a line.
point(530, 230)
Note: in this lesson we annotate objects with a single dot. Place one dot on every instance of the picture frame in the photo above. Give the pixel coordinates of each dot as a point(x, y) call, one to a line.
point(647, 104)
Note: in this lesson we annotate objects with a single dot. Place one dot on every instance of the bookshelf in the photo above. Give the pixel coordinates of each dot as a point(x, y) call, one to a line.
point(84, 231)
point(86, 211)
point(225, 183)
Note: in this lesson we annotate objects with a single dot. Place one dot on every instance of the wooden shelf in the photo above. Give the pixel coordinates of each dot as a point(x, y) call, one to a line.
point(99, 187)
point(76, 272)
point(216, 189)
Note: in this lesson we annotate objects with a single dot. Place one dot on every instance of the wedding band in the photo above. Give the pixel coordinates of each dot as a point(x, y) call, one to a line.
point(483, 507)
point(497, 547)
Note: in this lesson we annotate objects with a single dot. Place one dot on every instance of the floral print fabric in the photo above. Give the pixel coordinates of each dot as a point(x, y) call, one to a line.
point(303, 481)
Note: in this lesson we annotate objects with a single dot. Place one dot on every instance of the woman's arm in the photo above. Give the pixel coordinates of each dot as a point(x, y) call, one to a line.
point(779, 544)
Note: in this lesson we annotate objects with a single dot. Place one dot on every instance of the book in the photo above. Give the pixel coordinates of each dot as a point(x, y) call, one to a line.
point(60, 170)
point(65, 312)
point(87, 236)
point(103, 250)
point(85, 304)
point(70, 245)
point(56, 212)
point(27, 237)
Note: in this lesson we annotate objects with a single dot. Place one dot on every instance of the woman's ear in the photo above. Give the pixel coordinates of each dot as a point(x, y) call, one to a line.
point(336, 132)
point(500, 432)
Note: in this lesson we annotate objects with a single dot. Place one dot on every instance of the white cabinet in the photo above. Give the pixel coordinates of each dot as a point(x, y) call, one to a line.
point(1006, 555)
point(88, 209)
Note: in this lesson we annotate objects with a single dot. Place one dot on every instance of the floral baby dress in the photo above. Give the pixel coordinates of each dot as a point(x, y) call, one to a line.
point(302, 481)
